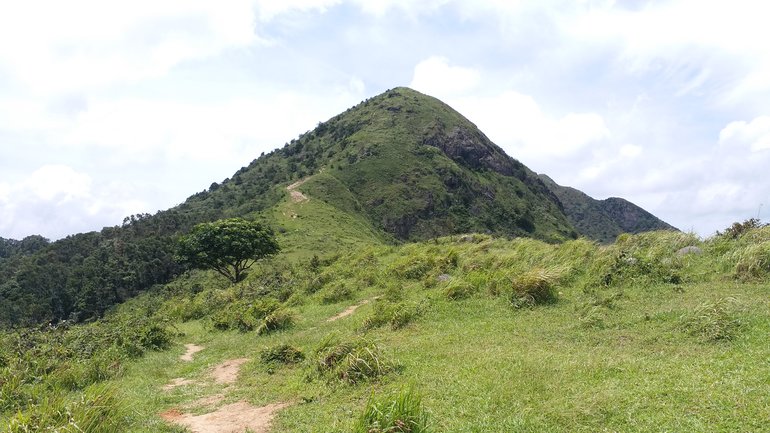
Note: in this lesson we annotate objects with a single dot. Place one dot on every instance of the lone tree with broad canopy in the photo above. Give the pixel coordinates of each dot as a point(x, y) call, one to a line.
point(228, 246)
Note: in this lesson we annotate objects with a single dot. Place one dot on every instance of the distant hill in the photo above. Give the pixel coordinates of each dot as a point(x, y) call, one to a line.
point(603, 220)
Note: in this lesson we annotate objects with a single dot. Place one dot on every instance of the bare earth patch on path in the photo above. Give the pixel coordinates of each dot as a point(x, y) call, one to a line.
point(239, 417)
point(297, 196)
point(204, 402)
point(176, 383)
point(231, 418)
point(348, 311)
point(192, 349)
point(227, 372)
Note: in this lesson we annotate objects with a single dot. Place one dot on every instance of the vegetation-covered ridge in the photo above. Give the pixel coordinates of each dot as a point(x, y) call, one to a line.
point(659, 331)
point(401, 166)
point(407, 165)
point(603, 220)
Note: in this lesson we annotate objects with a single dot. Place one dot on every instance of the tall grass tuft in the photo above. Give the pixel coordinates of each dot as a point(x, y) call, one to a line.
point(536, 286)
point(714, 321)
point(403, 413)
point(281, 354)
point(275, 321)
point(96, 410)
point(458, 289)
point(396, 315)
point(351, 361)
point(337, 292)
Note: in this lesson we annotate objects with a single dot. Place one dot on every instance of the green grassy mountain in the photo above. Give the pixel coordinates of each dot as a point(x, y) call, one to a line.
point(603, 220)
point(404, 165)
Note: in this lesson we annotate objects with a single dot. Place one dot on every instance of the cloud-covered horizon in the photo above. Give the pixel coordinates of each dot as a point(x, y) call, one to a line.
point(110, 109)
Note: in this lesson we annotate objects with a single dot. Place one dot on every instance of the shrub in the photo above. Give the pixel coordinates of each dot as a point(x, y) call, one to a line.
point(317, 282)
point(535, 286)
point(336, 293)
point(396, 315)
point(403, 413)
point(95, 410)
point(458, 289)
point(155, 337)
point(351, 361)
point(753, 261)
point(714, 321)
point(417, 266)
point(277, 320)
point(592, 317)
point(394, 292)
point(281, 354)
point(243, 316)
point(738, 229)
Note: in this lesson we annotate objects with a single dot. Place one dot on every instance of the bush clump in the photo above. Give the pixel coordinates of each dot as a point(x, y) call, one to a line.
point(351, 361)
point(714, 321)
point(275, 321)
point(96, 410)
point(417, 266)
point(396, 315)
point(457, 290)
point(403, 413)
point(535, 287)
point(244, 316)
point(281, 354)
point(752, 262)
point(336, 293)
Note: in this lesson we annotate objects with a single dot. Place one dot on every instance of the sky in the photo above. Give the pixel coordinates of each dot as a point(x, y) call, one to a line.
point(109, 109)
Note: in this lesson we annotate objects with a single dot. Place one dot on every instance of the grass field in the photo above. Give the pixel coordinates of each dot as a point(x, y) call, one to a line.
point(491, 335)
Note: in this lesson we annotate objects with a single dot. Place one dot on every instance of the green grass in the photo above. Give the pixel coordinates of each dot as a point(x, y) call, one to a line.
point(638, 352)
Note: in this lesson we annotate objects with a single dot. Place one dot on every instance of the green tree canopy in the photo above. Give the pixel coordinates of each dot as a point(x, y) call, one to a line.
point(228, 246)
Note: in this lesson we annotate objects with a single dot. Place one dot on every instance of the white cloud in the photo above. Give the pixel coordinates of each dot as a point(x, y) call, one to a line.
point(754, 135)
point(269, 9)
point(56, 183)
point(56, 200)
point(689, 41)
point(517, 123)
point(85, 44)
point(512, 120)
point(435, 76)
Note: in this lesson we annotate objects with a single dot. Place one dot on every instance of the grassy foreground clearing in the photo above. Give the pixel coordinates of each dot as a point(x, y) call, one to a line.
point(468, 334)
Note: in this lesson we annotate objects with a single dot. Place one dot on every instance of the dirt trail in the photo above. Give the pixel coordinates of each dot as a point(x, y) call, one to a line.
point(239, 417)
point(297, 196)
point(206, 401)
point(192, 349)
point(227, 372)
point(231, 418)
point(177, 382)
point(348, 311)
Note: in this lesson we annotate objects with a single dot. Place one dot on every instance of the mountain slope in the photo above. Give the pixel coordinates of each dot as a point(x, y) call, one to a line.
point(603, 220)
point(413, 167)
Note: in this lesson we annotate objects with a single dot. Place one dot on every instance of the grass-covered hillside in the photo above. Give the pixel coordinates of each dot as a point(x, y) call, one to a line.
point(409, 165)
point(603, 220)
point(659, 331)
